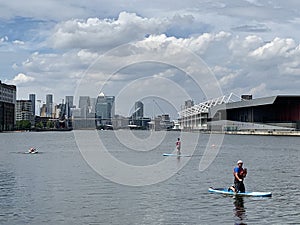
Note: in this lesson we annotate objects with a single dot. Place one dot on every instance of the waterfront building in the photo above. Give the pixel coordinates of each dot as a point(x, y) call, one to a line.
point(76, 112)
point(24, 111)
point(161, 122)
point(195, 117)
point(49, 105)
point(105, 110)
point(281, 112)
point(32, 99)
point(120, 122)
point(7, 106)
point(84, 116)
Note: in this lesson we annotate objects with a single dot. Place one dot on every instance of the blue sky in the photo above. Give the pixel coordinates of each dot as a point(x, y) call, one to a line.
point(250, 47)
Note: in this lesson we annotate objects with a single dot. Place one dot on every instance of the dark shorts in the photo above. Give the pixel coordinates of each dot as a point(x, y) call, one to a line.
point(239, 186)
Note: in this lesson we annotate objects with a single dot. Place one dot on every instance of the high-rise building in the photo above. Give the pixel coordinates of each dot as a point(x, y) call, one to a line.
point(137, 119)
point(69, 101)
point(92, 108)
point(138, 110)
point(7, 106)
point(105, 109)
point(69, 105)
point(8, 93)
point(84, 104)
point(32, 99)
point(49, 105)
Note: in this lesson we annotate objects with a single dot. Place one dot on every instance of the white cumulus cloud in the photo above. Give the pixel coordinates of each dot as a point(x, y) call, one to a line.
point(105, 33)
point(277, 47)
point(21, 78)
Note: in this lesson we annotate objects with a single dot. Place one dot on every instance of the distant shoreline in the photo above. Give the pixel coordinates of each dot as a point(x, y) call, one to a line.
point(250, 132)
point(262, 133)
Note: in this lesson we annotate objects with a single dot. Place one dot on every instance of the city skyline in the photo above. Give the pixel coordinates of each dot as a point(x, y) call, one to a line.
point(154, 107)
point(100, 113)
point(250, 47)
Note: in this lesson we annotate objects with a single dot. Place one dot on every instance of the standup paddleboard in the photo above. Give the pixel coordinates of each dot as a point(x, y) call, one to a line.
point(226, 192)
point(171, 154)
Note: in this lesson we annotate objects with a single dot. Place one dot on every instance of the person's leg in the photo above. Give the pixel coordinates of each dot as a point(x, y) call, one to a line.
point(239, 186)
point(236, 186)
point(232, 188)
point(242, 187)
point(178, 151)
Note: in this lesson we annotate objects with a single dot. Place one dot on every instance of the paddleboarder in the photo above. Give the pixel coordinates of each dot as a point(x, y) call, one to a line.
point(239, 174)
point(178, 146)
point(31, 150)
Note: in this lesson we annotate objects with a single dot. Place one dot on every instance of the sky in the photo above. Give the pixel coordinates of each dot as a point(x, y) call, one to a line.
point(160, 52)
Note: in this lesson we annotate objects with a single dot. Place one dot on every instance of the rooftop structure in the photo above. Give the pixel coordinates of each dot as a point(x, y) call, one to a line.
point(195, 117)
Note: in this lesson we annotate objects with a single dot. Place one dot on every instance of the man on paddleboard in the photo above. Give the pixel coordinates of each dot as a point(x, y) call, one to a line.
point(239, 174)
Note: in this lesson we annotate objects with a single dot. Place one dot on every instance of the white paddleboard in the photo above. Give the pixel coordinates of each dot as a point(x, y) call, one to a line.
point(226, 192)
point(176, 155)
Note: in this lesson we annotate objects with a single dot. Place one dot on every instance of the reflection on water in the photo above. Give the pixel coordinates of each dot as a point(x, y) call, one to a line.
point(239, 211)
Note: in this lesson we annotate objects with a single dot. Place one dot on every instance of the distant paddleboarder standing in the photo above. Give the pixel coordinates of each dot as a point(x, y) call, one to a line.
point(178, 146)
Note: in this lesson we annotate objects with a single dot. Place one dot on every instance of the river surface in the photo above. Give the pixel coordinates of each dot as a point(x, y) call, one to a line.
point(58, 186)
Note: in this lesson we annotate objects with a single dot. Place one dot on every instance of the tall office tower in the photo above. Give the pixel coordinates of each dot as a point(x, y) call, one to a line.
point(69, 101)
point(49, 105)
point(105, 109)
point(32, 99)
point(7, 106)
point(69, 105)
point(84, 104)
point(92, 108)
point(138, 110)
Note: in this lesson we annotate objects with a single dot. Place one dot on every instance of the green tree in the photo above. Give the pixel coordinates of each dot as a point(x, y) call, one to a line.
point(50, 124)
point(39, 125)
point(23, 125)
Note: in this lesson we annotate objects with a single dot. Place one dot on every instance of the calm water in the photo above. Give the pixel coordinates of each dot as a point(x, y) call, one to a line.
point(57, 186)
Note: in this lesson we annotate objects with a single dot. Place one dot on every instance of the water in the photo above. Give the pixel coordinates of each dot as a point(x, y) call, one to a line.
point(57, 186)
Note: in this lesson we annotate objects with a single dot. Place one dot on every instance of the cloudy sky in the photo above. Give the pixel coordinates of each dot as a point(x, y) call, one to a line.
point(169, 51)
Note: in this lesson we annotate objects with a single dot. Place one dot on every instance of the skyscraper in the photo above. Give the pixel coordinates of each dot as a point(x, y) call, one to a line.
point(69, 105)
point(84, 104)
point(138, 110)
point(92, 108)
point(49, 105)
point(69, 101)
point(32, 99)
point(105, 109)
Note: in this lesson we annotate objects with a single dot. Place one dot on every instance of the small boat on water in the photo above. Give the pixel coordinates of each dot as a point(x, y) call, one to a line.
point(32, 151)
